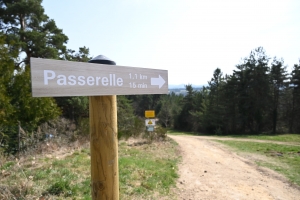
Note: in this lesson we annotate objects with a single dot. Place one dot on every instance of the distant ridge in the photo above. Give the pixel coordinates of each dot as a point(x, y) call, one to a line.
point(182, 86)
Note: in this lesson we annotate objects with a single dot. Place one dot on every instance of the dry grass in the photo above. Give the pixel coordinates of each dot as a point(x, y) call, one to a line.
point(147, 171)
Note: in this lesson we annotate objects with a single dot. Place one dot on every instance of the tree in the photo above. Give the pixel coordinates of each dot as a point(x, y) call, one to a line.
point(6, 75)
point(253, 88)
point(128, 124)
point(215, 87)
point(30, 111)
point(169, 109)
point(141, 103)
point(165, 113)
point(230, 99)
point(16, 103)
point(75, 108)
point(199, 119)
point(83, 55)
point(215, 110)
point(33, 33)
point(183, 121)
point(278, 77)
point(28, 31)
point(294, 125)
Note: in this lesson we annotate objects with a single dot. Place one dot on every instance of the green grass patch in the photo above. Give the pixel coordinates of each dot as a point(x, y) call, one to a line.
point(281, 137)
point(146, 171)
point(176, 132)
point(7, 166)
point(294, 138)
point(284, 159)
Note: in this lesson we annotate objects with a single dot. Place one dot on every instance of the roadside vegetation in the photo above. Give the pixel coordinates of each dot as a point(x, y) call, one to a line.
point(278, 137)
point(176, 132)
point(146, 170)
point(284, 159)
point(292, 138)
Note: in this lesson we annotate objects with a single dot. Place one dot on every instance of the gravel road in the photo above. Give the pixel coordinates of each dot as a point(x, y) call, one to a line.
point(210, 171)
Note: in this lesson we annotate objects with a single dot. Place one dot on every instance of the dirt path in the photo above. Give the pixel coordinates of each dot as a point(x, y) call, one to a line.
point(209, 171)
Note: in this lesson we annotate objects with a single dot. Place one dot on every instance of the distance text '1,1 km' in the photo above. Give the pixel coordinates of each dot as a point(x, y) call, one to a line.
point(137, 80)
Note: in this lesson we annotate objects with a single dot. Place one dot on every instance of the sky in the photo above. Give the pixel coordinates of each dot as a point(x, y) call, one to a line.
point(189, 38)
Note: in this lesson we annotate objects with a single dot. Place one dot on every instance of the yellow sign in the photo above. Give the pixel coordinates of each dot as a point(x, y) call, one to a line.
point(149, 113)
point(150, 122)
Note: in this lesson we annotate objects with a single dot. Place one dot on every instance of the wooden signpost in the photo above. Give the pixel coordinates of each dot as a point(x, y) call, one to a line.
point(102, 83)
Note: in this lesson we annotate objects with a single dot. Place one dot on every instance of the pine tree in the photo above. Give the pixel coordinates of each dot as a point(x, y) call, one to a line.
point(230, 99)
point(184, 120)
point(75, 108)
point(278, 77)
point(294, 124)
point(6, 78)
point(215, 108)
point(28, 31)
point(253, 89)
point(128, 124)
point(169, 109)
point(33, 33)
point(199, 119)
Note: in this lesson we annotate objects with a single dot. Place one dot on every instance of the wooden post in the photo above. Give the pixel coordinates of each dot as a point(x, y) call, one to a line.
point(104, 147)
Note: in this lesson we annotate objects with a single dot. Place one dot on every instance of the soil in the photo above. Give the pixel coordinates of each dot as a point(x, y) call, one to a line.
point(209, 170)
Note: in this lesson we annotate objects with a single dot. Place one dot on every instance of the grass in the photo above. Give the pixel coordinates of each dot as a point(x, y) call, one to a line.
point(284, 159)
point(176, 132)
point(146, 171)
point(295, 138)
point(280, 137)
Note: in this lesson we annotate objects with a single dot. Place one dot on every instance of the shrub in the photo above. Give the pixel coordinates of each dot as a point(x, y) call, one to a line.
point(159, 134)
point(60, 187)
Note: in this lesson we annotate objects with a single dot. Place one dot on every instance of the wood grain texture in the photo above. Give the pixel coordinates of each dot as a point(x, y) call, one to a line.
point(104, 147)
point(50, 78)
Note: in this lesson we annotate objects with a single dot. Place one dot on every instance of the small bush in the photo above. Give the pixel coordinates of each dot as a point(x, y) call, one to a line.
point(134, 129)
point(218, 131)
point(83, 126)
point(60, 187)
point(159, 134)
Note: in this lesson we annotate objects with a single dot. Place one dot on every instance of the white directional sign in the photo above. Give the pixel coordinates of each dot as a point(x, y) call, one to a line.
point(64, 78)
point(150, 122)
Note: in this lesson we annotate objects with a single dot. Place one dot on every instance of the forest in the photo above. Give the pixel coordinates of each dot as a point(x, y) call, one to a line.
point(260, 96)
